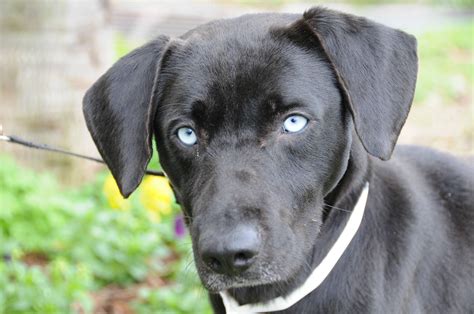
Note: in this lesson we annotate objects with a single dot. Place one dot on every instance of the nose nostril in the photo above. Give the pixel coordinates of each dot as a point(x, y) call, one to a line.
point(242, 259)
point(214, 263)
point(240, 256)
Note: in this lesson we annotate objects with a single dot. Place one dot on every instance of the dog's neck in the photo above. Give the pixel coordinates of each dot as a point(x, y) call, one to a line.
point(345, 195)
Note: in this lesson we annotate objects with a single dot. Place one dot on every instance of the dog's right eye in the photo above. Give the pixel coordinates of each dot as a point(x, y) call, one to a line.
point(187, 136)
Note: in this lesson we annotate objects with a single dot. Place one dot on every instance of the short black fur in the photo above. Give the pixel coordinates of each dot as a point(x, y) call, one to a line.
point(263, 205)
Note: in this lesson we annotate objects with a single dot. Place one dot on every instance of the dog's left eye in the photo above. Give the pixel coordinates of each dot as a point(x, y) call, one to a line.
point(294, 123)
point(187, 136)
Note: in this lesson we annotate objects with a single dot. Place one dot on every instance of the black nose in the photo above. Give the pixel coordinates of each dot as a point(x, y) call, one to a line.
point(232, 252)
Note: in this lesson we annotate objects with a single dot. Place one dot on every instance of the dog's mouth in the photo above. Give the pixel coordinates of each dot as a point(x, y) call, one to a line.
point(261, 285)
point(271, 279)
point(264, 274)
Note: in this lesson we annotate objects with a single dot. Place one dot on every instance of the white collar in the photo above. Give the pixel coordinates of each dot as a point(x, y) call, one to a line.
point(317, 276)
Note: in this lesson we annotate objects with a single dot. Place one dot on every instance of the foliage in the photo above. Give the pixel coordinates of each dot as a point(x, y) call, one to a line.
point(50, 290)
point(85, 243)
point(32, 208)
point(36, 218)
point(184, 297)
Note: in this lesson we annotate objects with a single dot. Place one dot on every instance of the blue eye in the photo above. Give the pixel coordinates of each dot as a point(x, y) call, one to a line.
point(187, 136)
point(294, 123)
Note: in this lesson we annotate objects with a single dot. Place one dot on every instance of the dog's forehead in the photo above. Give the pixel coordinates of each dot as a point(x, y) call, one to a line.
point(232, 48)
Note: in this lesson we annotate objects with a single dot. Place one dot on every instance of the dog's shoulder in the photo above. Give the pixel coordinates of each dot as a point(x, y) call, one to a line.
point(429, 196)
point(434, 181)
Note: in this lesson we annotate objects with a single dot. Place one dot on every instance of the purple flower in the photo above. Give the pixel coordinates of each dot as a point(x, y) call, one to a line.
point(179, 226)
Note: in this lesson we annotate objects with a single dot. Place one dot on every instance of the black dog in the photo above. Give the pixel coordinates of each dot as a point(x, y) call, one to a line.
point(268, 127)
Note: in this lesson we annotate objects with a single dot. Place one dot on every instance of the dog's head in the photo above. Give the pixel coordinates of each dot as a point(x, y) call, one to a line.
point(253, 119)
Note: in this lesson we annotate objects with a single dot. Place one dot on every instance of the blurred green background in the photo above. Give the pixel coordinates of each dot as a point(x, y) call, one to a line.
point(68, 242)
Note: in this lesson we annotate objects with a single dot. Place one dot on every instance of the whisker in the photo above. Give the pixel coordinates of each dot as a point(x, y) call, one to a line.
point(184, 243)
point(189, 264)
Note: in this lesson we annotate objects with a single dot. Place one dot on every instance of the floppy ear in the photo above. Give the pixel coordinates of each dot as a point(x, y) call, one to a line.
point(376, 67)
point(118, 111)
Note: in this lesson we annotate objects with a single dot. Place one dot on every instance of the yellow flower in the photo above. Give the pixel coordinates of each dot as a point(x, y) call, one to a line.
point(112, 194)
point(156, 196)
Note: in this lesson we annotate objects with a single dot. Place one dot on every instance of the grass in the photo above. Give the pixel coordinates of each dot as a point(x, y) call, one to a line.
point(446, 69)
